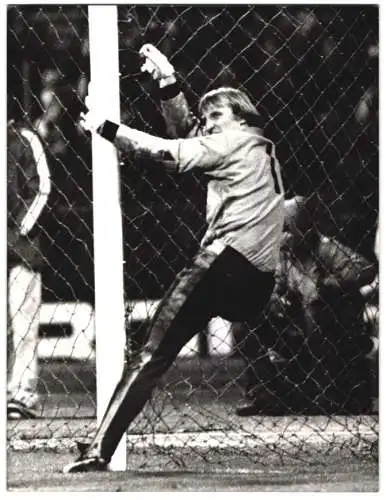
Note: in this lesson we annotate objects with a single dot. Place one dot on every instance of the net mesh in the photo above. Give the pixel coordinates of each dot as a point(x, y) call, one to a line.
point(313, 73)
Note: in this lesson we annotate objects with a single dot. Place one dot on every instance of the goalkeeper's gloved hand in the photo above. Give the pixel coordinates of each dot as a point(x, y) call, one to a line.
point(157, 65)
point(92, 120)
point(89, 121)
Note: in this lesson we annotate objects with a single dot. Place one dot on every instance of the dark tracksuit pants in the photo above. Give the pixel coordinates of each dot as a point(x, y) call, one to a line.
point(225, 285)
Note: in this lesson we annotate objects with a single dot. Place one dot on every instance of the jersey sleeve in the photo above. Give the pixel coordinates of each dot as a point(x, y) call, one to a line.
point(348, 267)
point(38, 161)
point(23, 179)
point(28, 174)
point(205, 152)
point(180, 121)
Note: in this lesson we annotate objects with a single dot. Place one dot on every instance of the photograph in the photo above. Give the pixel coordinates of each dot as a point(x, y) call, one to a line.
point(192, 267)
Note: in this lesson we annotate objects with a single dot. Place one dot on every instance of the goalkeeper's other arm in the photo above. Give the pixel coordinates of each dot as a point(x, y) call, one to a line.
point(176, 155)
point(132, 140)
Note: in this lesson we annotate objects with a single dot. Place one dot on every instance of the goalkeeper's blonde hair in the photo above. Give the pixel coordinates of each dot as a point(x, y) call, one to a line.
point(238, 101)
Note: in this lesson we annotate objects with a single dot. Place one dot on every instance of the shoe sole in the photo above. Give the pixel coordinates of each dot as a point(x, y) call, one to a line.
point(15, 415)
point(85, 465)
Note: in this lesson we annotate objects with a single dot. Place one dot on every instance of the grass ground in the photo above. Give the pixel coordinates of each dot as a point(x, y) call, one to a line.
point(189, 439)
point(41, 471)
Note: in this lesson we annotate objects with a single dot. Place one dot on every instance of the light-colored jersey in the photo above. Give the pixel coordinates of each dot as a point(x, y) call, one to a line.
point(245, 200)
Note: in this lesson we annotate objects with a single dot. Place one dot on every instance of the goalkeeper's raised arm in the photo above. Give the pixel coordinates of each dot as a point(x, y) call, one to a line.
point(180, 121)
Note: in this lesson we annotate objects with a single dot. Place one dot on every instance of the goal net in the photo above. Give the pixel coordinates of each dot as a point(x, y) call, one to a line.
point(313, 71)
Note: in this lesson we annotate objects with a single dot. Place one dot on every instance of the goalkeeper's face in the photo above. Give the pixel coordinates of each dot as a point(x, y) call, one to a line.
point(218, 118)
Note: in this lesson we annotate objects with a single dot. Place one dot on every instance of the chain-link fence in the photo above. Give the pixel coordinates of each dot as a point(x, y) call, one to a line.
point(313, 73)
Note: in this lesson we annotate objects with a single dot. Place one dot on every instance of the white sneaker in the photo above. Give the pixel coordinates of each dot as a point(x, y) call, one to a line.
point(18, 411)
point(22, 404)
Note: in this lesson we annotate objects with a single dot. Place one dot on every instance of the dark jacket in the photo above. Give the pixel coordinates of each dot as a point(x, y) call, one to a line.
point(27, 178)
point(322, 286)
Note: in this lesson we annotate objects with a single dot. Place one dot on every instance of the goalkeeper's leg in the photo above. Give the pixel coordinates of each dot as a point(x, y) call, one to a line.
point(226, 285)
point(185, 310)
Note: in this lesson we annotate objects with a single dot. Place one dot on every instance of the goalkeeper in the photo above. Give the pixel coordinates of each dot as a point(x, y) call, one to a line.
point(238, 254)
point(29, 186)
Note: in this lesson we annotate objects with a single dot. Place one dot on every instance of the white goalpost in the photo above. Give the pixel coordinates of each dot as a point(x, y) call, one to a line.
point(107, 216)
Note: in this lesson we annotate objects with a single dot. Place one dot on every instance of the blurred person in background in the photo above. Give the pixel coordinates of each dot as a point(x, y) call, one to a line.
point(370, 294)
point(28, 188)
point(238, 254)
point(319, 342)
point(66, 146)
point(61, 102)
point(51, 108)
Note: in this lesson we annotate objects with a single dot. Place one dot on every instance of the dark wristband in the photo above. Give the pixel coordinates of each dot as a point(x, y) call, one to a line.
point(170, 91)
point(108, 130)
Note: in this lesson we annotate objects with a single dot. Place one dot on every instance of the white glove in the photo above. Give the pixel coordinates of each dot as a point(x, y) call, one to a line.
point(157, 64)
point(90, 120)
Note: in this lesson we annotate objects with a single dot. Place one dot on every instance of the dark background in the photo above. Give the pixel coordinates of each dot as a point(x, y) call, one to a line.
point(311, 70)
